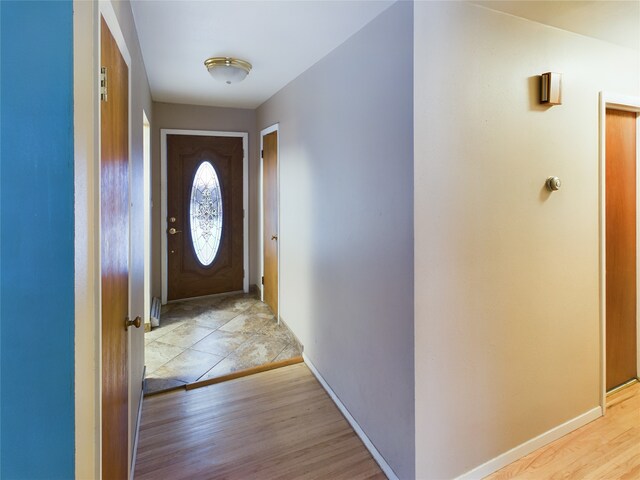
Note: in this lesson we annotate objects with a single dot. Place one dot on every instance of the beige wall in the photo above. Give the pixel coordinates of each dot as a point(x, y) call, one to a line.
point(506, 274)
point(86, 113)
point(346, 225)
point(194, 117)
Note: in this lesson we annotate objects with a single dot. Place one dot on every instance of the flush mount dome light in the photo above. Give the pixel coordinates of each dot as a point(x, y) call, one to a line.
point(227, 69)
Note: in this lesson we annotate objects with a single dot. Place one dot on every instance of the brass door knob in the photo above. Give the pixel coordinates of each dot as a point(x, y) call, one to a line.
point(132, 323)
point(173, 231)
point(553, 184)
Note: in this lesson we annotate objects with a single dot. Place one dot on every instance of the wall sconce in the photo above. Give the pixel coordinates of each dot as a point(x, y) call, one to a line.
point(551, 88)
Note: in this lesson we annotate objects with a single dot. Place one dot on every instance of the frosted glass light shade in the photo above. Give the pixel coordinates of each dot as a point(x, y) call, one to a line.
point(227, 70)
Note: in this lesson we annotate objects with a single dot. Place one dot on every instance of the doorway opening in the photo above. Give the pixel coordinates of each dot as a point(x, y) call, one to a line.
point(619, 158)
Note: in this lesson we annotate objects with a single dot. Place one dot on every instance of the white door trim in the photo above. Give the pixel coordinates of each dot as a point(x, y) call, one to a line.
point(273, 128)
point(163, 195)
point(146, 209)
point(629, 104)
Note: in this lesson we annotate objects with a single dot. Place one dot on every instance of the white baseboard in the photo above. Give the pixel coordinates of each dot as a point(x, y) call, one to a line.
point(363, 436)
point(135, 436)
point(532, 445)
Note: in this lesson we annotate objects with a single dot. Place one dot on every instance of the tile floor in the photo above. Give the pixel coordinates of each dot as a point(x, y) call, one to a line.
point(213, 336)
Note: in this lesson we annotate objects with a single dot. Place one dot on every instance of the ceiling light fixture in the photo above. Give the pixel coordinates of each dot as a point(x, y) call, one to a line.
point(227, 69)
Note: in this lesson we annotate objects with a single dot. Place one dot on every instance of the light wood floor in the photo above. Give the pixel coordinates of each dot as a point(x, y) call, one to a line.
point(607, 448)
point(276, 424)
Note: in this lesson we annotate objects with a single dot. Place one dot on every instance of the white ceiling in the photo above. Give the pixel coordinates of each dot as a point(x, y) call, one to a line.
point(612, 21)
point(284, 38)
point(280, 38)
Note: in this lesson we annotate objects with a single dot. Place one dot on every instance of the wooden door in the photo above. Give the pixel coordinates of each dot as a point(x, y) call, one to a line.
point(620, 247)
point(114, 248)
point(205, 237)
point(270, 212)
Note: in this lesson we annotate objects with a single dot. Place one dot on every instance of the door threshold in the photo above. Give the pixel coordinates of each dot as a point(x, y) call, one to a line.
point(244, 373)
point(633, 381)
point(230, 376)
point(211, 295)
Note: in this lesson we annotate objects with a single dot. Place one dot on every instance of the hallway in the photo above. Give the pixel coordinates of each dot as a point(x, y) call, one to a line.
point(276, 424)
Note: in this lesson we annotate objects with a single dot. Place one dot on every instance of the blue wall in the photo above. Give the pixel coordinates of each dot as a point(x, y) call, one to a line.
point(36, 240)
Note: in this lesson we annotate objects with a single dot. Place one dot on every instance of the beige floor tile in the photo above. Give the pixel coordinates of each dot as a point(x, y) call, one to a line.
point(261, 308)
point(186, 335)
point(290, 351)
point(188, 366)
point(195, 336)
point(221, 343)
point(158, 353)
point(238, 304)
point(208, 302)
point(279, 331)
point(182, 307)
point(260, 349)
point(159, 331)
point(229, 365)
point(215, 318)
point(245, 324)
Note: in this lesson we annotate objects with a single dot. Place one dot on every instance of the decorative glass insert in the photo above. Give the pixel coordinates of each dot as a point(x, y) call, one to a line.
point(206, 213)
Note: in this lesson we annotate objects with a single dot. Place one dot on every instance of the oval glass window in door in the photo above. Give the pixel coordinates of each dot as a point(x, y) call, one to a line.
point(205, 212)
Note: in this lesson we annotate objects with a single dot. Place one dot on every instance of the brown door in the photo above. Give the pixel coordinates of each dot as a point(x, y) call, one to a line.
point(205, 215)
point(270, 211)
point(620, 247)
point(114, 247)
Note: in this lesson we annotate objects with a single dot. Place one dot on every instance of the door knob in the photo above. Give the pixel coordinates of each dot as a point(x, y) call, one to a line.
point(132, 323)
point(173, 231)
point(553, 184)
point(274, 237)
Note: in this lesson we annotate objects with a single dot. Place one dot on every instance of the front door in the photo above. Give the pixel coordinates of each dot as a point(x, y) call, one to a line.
point(205, 238)
point(114, 249)
point(270, 212)
point(620, 247)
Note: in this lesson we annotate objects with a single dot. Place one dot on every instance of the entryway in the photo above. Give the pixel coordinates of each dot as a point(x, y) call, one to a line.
point(210, 326)
point(212, 337)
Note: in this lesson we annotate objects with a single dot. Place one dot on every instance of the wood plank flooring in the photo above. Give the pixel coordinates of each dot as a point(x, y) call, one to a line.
point(276, 424)
point(607, 448)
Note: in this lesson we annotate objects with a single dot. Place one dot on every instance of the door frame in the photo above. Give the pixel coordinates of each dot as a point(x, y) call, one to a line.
point(628, 104)
point(147, 212)
point(273, 128)
point(164, 259)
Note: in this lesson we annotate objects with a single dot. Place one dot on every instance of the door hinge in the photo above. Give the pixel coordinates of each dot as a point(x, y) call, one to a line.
point(262, 153)
point(103, 84)
point(263, 279)
point(243, 273)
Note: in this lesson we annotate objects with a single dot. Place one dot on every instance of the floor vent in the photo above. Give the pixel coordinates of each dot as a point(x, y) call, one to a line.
point(155, 312)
